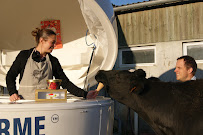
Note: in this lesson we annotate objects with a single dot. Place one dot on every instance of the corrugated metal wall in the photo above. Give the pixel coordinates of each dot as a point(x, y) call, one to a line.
point(174, 23)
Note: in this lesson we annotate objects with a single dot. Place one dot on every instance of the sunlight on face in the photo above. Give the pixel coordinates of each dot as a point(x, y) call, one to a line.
point(49, 44)
point(182, 73)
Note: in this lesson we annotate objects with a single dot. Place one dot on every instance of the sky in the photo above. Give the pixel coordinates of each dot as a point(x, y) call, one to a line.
point(124, 2)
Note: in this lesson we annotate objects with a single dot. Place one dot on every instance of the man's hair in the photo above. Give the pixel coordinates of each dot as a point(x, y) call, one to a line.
point(189, 63)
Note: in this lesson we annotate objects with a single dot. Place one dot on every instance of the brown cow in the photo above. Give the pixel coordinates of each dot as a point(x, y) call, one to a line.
point(170, 108)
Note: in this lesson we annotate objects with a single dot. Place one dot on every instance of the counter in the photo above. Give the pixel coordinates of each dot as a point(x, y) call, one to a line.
point(76, 116)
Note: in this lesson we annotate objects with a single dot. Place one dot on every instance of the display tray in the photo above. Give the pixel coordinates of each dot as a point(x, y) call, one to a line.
point(50, 95)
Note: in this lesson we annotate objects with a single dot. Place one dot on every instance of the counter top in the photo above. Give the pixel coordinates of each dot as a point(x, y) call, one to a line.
point(71, 103)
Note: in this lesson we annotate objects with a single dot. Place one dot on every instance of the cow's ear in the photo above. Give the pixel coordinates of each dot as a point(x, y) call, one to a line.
point(141, 73)
point(101, 76)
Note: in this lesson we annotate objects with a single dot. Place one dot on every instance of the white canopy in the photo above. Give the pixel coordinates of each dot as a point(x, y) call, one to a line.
point(19, 18)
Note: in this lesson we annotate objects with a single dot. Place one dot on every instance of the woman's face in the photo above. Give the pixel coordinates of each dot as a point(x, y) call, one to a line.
point(49, 44)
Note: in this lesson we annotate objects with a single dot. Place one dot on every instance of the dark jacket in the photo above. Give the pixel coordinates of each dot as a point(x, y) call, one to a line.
point(18, 66)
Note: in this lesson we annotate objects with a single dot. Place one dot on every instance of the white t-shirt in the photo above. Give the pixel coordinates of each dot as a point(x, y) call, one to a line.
point(193, 78)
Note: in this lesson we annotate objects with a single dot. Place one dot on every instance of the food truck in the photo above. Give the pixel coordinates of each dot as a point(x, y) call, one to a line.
point(87, 43)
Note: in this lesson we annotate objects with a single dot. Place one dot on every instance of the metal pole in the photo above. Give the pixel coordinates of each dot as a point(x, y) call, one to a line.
point(135, 123)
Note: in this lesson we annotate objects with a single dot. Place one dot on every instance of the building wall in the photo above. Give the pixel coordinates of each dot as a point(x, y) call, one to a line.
point(166, 55)
point(173, 23)
point(166, 28)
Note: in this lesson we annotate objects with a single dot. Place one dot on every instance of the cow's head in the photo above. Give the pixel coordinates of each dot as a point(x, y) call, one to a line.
point(122, 83)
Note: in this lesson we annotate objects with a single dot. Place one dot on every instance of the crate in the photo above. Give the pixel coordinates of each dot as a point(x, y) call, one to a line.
point(50, 95)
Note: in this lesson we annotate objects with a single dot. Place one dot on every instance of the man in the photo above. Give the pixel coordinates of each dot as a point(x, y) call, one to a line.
point(185, 68)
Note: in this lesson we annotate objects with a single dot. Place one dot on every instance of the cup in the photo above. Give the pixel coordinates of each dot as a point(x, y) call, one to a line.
point(54, 84)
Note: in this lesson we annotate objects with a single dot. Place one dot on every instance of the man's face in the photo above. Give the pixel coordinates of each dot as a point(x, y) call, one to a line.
point(182, 73)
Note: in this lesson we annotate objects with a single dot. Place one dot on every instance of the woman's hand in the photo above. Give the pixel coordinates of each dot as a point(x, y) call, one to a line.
point(92, 94)
point(14, 97)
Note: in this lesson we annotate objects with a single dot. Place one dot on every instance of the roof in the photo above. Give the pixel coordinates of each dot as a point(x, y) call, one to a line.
point(148, 5)
point(130, 3)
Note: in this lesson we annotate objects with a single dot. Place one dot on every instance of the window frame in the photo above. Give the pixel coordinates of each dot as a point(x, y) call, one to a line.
point(121, 50)
point(185, 45)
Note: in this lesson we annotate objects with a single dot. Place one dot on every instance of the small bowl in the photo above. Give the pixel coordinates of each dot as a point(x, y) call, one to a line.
point(54, 84)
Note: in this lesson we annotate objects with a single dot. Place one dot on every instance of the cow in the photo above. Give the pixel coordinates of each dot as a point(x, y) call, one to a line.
point(170, 108)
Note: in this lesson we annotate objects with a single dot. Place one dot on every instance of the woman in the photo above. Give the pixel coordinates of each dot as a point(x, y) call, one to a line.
point(36, 66)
